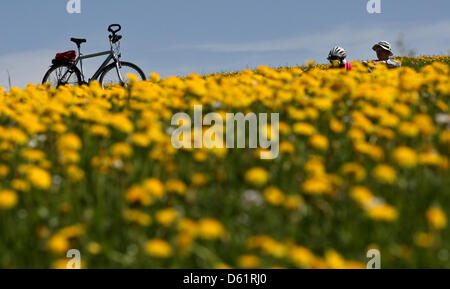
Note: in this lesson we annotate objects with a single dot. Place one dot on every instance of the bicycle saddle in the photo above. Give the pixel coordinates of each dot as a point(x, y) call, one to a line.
point(78, 41)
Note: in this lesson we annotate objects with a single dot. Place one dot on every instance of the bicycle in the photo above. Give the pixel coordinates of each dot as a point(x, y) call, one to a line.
point(64, 68)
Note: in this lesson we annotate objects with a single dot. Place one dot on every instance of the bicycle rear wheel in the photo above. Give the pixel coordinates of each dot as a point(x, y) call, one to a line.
point(62, 74)
point(110, 75)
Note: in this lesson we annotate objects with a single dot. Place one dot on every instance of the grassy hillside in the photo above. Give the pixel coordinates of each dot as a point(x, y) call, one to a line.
point(363, 164)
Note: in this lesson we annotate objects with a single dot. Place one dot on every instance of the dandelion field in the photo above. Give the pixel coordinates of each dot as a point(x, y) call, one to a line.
point(363, 163)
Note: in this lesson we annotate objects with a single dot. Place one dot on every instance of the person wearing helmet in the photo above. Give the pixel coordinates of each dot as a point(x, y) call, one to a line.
point(337, 58)
point(384, 54)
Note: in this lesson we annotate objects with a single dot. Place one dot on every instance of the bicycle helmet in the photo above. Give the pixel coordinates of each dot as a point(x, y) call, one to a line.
point(383, 45)
point(337, 53)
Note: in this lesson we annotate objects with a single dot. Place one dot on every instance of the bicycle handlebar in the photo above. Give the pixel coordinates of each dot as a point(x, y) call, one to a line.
point(112, 30)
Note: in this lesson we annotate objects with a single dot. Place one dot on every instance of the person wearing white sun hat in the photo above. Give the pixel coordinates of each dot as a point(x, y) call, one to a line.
point(384, 54)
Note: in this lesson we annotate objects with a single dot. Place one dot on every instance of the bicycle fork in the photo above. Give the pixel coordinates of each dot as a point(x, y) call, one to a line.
point(119, 74)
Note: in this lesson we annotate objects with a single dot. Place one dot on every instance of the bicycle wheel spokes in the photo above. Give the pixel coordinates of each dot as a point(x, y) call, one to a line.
point(62, 75)
point(111, 76)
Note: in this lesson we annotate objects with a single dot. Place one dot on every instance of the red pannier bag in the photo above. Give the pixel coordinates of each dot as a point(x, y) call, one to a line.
point(66, 56)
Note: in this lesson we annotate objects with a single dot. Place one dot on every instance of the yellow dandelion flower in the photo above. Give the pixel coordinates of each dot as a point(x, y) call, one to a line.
point(138, 217)
point(99, 130)
point(39, 178)
point(176, 186)
point(121, 150)
point(140, 139)
point(154, 77)
point(424, 240)
point(383, 212)
point(303, 128)
point(257, 176)
point(334, 260)
point(248, 261)
point(405, 157)
point(20, 185)
point(287, 147)
point(354, 171)
point(158, 248)
point(8, 199)
point(293, 202)
point(69, 141)
point(436, 218)
point(4, 170)
point(75, 173)
point(317, 186)
point(154, 187)
point(210, 229)
point(319, 142)
point(58, 244)
point(362, 195)
point(166, 217)
point(94, 248)
point(274, 196)
point(336, 126)
point(385, 174)
point(138, 195)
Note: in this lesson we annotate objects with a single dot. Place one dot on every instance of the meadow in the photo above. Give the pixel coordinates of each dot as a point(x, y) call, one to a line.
point(363, 164)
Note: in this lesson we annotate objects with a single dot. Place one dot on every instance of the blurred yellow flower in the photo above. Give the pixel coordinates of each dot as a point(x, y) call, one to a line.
point(166, 217)
point(334, 260)
point(303, 128)
point(293, 202)
point(158, 248)
point(137, 194)
point(436, 218)
point(248, 261)
point(385, 174)
point(58, 244)
point(176, 186)
point(274, 196)
point(94, 248)
point(154, 77)
point(210, 229)
point(140, 139)
point(154, 187)
point(4, 170)
point(405, 157)
point(257, 176)
point(362, 195)
point(354, 170)
point(100, 130)
point(425, 240)
point(8, 199)
point(199, 179)
point(138, 217)
point(336, 126)
point(69, 141)
point(319, 142)
point(317, 185)
point(75, 173)
point(383, 212)
point(121, 150)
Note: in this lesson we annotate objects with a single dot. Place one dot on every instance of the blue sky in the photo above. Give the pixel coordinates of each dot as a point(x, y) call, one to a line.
point(177, 37)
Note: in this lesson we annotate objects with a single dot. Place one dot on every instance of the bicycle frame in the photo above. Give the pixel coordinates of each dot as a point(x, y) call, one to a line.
point(99, 71)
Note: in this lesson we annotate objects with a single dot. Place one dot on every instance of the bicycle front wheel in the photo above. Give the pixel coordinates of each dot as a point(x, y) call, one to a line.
point(112, 76)
point(62, 74)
